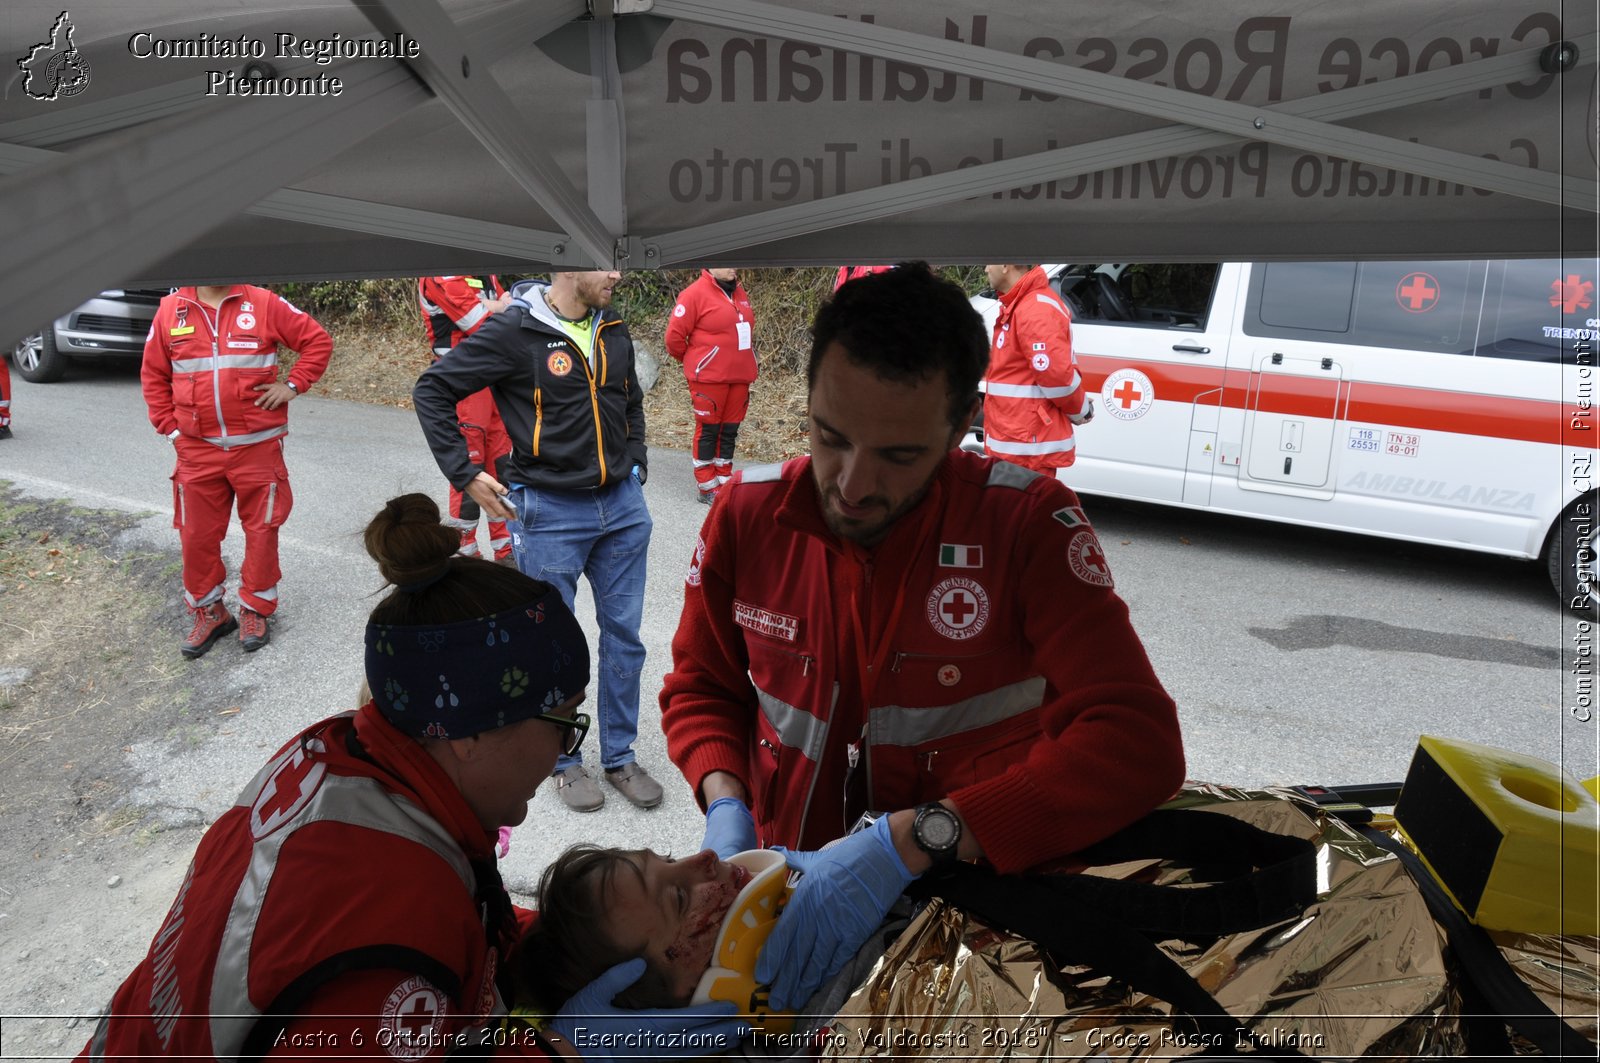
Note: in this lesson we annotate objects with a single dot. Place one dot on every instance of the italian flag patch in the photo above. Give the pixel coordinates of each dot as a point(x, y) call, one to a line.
point(954, 555)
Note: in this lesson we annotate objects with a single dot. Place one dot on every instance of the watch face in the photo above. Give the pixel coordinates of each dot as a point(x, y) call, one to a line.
point(938, 830)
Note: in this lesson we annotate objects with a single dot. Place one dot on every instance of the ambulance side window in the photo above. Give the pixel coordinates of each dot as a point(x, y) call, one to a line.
point(1415, 305)
point(1537, 309)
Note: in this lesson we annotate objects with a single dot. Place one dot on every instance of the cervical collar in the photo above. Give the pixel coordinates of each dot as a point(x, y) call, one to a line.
point(732, 974)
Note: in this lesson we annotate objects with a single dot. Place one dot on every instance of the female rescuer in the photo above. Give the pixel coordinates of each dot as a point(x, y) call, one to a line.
point(348, 905)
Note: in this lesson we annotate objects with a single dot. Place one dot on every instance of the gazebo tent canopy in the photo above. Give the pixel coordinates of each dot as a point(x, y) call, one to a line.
point(533, 134)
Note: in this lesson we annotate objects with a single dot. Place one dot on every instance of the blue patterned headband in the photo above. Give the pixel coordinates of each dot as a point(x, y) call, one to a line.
point(458, 680)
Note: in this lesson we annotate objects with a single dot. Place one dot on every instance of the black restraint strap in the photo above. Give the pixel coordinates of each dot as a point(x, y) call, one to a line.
point(1486, 967)
point(1102, 923)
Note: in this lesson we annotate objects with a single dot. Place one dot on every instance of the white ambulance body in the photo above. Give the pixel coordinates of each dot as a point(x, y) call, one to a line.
point(1447, 402)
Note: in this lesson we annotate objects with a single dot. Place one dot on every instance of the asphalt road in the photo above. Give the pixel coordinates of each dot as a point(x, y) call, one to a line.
point(1295, 656)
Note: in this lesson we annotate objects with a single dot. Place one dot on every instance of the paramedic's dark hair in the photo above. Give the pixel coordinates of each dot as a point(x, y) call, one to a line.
point(906, 324)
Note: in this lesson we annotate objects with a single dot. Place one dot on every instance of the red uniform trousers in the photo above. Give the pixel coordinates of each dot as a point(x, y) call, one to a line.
point(205, 485)
point(487, 443)
point(5, 394)
point(718, 411)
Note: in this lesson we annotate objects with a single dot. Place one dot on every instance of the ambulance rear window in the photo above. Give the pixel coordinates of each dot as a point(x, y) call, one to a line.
point(1543, 309)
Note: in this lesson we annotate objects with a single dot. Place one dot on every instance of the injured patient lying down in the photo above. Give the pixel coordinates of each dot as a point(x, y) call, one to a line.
point(698, 922)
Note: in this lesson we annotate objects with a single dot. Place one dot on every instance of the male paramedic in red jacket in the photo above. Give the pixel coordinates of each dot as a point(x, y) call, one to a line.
point(893, 624)
point(452, 309)
point(210, 379)
point(710, 333)
point(1034, 393)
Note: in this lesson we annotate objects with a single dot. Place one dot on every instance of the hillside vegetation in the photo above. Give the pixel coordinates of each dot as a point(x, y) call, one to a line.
point(380, 346)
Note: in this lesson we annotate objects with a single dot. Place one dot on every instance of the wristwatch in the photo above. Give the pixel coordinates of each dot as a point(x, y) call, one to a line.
point(937, 832)
point(290, 385)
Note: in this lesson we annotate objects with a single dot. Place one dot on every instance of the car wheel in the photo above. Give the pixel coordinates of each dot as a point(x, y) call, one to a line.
point(37, 359)
point(1570, 554)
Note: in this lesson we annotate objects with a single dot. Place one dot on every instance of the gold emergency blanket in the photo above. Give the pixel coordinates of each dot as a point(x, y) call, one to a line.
point(1361, 973)
point(1564, 972)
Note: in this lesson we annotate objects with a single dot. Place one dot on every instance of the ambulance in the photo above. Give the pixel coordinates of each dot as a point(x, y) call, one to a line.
point(1446, 402)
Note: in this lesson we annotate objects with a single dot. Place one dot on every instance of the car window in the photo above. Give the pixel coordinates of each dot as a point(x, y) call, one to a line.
point(1143, 294)
point(1540, 308)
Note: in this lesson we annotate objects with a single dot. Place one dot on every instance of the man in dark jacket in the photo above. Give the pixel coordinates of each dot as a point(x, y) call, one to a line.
point(560, 367)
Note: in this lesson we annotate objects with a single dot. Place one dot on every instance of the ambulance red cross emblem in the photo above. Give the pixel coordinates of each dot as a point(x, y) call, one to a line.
point(958, 607)
point(1417, 293)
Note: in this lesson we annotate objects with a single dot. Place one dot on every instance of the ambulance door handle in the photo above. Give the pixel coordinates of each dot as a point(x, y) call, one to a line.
point(1189, 348)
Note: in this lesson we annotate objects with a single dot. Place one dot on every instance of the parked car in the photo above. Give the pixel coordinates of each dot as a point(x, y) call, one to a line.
point(1443, 402)
point(113, 323)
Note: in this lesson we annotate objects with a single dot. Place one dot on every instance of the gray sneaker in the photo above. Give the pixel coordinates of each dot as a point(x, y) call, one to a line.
point(579, 790)
point(636, 785)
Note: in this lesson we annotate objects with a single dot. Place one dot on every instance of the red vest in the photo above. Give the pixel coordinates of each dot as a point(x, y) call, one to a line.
point(349, 850)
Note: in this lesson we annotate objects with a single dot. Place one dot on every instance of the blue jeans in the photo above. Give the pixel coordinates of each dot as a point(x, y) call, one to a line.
point(602, 533)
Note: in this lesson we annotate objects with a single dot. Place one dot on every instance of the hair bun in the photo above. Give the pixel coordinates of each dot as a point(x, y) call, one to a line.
point(409, 543)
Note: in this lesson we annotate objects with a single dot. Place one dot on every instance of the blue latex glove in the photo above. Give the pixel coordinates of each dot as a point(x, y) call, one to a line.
point(730, 828)
point(599, 1029)
point(846, 891)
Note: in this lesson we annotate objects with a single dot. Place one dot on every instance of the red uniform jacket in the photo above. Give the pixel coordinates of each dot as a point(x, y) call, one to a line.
point(350, 854)
point(979, 652)
point(202, 366)
point(453, 307)
point(1034, 393)
point(706, 331)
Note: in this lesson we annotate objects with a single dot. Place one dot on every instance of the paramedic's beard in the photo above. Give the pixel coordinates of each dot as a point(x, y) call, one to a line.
point(867, 522)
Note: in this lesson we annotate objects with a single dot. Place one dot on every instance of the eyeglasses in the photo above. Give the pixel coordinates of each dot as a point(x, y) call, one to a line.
point(575, 727)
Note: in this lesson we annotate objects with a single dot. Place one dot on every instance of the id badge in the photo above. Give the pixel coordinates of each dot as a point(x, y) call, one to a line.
point(743, 330)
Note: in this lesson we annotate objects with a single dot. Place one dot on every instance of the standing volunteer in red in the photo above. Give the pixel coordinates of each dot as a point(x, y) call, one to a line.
point(211, 383)
point(710, 333)
point(1034, 393)
point(452, 309)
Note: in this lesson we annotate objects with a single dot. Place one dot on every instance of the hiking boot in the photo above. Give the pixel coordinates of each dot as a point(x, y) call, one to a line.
point(636, 785)
point(707, 497)
point(211, 622)
point(253, 633)
point(5, 431)
point(578, 789)
point(509, 561)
